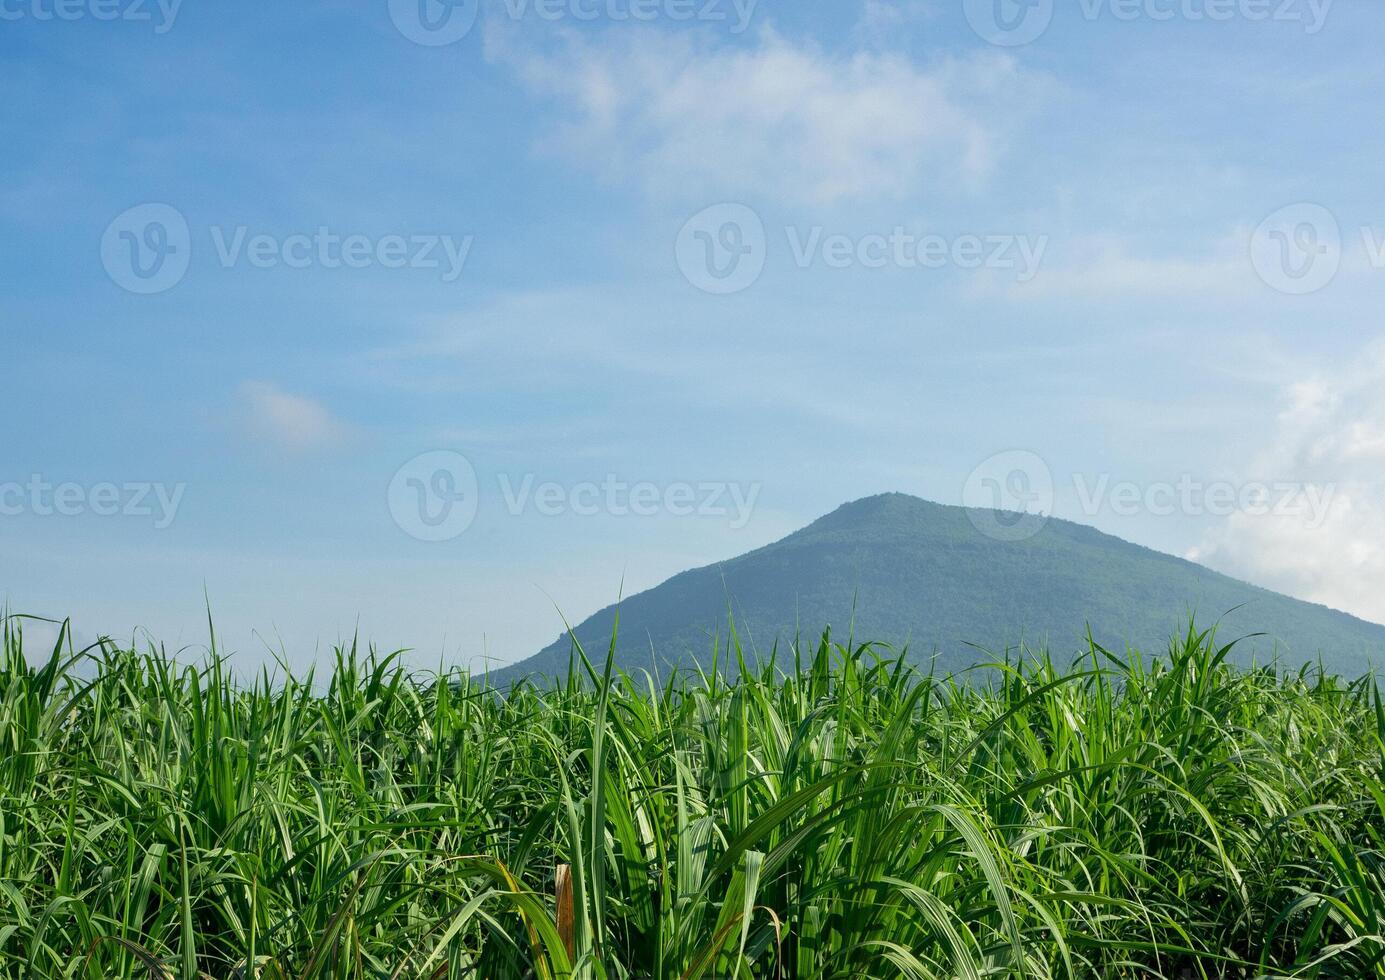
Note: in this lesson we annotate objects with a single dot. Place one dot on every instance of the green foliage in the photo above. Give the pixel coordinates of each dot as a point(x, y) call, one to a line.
point(835, 814)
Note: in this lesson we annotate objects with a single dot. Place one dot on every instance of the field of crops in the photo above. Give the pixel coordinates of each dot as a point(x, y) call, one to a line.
point(835, 814)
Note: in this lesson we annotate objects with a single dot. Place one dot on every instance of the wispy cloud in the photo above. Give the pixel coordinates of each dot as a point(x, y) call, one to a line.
point(1108, 267)
point(295, 423)
point(1330, 436)
point(771, 116)
point(510, 350)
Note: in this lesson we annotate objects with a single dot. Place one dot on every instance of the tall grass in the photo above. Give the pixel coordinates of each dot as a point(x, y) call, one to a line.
point(836, 813)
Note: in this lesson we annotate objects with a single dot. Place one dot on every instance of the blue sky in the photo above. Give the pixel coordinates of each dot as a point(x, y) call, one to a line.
point(745, 262)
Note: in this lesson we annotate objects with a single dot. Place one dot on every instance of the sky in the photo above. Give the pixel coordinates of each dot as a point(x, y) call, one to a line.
point(436, 324)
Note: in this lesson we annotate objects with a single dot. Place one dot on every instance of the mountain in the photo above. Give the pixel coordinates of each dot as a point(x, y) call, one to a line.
point(897, 569)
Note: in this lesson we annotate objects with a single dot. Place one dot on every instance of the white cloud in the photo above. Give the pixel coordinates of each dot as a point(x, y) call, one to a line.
point(768, 116)
point(1330, 437)
point(292, 422)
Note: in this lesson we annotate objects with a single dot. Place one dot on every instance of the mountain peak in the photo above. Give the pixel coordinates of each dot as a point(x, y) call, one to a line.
point(880, 506)
point(909, 572)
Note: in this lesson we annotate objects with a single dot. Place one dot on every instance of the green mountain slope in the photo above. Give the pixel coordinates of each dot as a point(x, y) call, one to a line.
point(921, 573)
